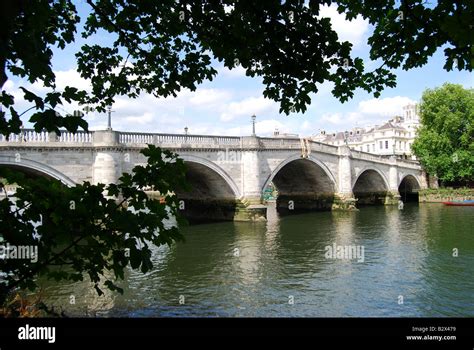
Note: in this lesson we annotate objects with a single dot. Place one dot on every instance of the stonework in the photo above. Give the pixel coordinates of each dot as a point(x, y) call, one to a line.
point(228, 168)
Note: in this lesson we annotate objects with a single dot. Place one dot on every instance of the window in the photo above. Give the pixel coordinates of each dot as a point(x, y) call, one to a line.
point(373, 147)
point(386, 144)
point(368, 148)
point(381, 145)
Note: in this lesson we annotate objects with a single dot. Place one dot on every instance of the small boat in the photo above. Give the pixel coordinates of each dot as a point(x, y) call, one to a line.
point(465, 203)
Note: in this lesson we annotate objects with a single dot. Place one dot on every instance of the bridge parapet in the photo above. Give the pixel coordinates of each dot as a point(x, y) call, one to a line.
point(406, 163)
point(288, 143)
point(177, 140)
point(324, 148)
point(32, 136)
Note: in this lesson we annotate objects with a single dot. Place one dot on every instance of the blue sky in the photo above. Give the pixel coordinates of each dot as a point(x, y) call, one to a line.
point(224, 105)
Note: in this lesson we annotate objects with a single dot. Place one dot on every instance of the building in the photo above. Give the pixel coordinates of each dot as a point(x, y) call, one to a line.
point(395, 137)
point(277, 134)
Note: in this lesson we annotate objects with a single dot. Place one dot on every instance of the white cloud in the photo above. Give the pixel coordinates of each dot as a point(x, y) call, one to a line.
point(247, 107)
point(353, 31)
point(9, 84)
point(369, 112)
point(71, 77)
point(63, 78)
point(339, 119)
point(145, 118)
point(237, 72)
point(209, 97)
point(388, 106)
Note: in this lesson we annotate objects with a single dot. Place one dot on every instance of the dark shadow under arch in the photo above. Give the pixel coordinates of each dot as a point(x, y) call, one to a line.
point(408, 189)
point(303, 185)
point(370, 188)
point(210, 197)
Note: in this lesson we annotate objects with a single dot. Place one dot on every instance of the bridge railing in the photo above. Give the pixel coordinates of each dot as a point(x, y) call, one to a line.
point(322, 147)
point(271, 142)
point(178, 140)
point(78, 137)
point(27, 135)
point(32, 136)
point(296, 143)
point(138, 139)
point(135, 138)
point(409, 163)
point(368, 156)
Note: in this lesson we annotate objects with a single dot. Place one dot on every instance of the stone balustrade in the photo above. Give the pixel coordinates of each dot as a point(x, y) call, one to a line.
point(177, 141)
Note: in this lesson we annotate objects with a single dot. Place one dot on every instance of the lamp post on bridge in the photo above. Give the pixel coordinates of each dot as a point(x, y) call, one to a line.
point(185, 134)
point(109, 119)
point(253, 124)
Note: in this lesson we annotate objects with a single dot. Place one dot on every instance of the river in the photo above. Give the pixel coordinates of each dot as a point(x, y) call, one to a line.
point(418, 261)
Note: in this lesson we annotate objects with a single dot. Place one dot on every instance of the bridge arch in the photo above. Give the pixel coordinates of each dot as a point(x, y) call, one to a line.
point(370, 186)
point(35, 167)
point(302, 184)
point(288, 160)
point(412, 178)
point(408, 188)
point(189, 159)
point(213, 195)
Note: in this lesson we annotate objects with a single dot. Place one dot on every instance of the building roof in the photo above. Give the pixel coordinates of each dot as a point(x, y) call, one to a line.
point(390, 125)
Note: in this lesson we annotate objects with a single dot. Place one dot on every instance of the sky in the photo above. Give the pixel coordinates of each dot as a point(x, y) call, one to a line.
point(225, 105)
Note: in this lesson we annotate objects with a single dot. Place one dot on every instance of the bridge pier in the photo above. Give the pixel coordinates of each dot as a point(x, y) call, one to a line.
point(245, 211)
point(344, 198)
point(108, 157)
point(344, 202)
point(250, 207)
point(393, 196)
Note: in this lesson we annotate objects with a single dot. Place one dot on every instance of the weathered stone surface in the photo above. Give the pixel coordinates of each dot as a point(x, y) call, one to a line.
point(344, 202)
point(223, 170)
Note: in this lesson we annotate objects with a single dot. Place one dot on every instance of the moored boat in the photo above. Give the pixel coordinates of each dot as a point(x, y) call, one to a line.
point(465, 203)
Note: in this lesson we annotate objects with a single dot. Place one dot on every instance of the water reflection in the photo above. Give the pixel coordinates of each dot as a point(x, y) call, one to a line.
point(252, 269)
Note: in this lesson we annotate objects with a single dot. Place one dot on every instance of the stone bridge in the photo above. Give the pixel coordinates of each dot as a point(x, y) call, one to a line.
point(228, 174)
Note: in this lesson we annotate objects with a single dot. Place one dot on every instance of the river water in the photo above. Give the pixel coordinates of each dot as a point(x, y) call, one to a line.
point(281, 268)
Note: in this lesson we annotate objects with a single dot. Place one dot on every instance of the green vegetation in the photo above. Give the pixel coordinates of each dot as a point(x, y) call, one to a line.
point(85, 230)
point(462, 191)
point(445, 194)
point(445, 140)
point(161, 47)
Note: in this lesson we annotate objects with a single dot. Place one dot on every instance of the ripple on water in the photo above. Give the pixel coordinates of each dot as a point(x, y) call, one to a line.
point(279, 268)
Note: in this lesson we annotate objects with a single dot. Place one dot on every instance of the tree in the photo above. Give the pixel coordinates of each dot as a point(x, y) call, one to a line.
point(164, 46)
point(84, 229)
point(161, 47)
point(445, 140)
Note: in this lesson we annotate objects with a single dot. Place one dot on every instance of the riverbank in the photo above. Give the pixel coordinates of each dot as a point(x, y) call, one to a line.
point(439, 195)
